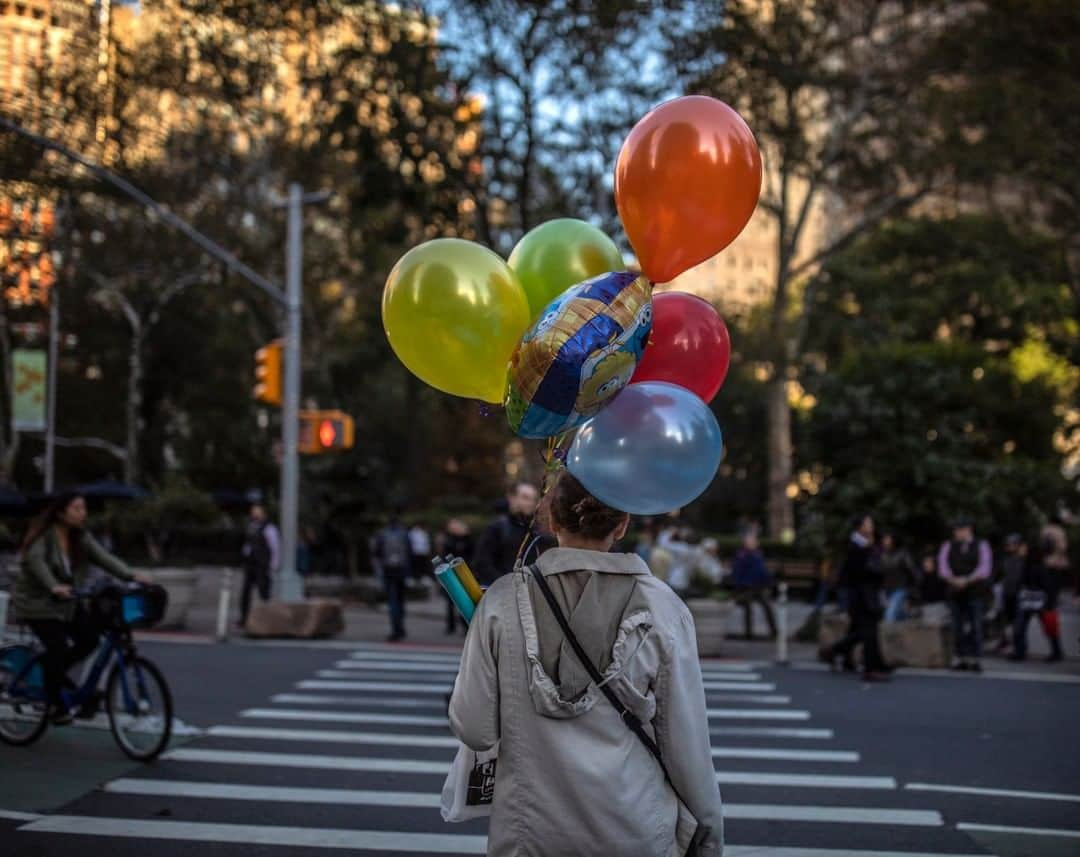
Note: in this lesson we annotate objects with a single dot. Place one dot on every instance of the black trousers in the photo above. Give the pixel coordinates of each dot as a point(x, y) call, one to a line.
point(66, 643)
point(863, 629)
point(253, 579)
point(747, 598)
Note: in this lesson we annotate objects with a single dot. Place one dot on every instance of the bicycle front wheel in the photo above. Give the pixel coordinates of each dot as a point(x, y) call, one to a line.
point(140, 709)
point(23, 712)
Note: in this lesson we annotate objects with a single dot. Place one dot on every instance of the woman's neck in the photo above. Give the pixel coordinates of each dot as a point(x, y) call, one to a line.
point(569, 540)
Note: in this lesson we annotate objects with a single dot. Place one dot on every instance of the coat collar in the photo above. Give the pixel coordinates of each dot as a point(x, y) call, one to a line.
point(559, 560)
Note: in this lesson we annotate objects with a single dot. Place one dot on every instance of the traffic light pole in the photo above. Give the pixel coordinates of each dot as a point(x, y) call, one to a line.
point(289, 586)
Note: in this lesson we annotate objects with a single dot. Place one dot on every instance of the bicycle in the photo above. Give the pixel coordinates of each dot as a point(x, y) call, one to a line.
point(137, 697)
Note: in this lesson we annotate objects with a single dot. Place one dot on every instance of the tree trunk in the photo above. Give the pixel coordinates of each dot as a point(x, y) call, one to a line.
point(781, 511)
point(134, 407)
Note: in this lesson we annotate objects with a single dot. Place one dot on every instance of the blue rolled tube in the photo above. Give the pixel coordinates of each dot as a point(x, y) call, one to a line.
point(445, 575)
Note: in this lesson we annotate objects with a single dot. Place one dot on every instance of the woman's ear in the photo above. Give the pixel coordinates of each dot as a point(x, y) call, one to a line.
point(620, 531)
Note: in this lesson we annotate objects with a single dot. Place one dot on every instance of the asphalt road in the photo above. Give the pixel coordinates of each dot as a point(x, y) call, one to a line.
point(300, 747)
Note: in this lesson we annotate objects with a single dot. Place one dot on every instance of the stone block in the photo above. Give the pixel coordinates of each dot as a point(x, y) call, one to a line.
point(316, 617)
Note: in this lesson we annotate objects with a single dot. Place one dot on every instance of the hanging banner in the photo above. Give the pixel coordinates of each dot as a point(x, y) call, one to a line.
point(28, 393)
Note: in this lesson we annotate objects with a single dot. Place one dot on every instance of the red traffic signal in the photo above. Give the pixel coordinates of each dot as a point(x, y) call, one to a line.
point(325, 431)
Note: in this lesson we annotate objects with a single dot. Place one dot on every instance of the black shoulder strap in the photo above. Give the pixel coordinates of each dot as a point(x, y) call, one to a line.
point(628, 717)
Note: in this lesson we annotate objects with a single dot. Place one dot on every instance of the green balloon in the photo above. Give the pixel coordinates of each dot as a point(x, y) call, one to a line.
point(559, 254)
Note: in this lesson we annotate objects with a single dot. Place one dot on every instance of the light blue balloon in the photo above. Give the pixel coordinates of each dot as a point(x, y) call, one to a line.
point(654, 449)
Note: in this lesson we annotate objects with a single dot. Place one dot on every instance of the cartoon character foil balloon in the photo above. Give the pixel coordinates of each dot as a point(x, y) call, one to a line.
point(580, 353)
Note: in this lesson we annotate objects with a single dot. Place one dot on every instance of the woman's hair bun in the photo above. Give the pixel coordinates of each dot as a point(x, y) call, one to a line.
point(577, 511)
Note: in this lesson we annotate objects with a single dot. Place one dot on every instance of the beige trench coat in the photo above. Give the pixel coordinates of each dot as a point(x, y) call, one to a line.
point(572, 779)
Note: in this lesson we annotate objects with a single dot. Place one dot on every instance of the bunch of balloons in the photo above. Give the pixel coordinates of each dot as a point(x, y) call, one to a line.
point(567, 339)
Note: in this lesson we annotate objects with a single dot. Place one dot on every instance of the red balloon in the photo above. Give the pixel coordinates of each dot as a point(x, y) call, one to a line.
point(689, 345)
point(686, 182)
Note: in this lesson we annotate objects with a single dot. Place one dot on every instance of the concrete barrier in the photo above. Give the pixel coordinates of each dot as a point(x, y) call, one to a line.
point(180, 583)
point(922, 642)
point(316, 617)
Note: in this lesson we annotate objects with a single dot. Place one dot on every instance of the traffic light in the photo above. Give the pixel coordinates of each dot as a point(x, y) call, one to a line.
point(325, 431)
point(268, 373)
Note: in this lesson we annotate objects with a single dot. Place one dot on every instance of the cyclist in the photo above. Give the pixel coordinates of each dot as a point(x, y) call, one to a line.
point(55, 559)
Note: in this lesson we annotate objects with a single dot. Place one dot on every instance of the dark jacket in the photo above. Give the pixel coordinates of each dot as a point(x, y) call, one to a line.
point(499, 544)
point(43, 568)
point(391, 551)
point(748, 570)
point(861, 576)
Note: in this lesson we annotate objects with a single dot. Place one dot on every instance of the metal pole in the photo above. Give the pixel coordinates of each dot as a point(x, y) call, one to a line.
point(289, 586)
point(54, 352)
point(224, 596)
point(781, 624)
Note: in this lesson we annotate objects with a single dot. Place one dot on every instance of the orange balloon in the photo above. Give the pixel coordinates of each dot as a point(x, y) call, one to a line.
point(686, 183)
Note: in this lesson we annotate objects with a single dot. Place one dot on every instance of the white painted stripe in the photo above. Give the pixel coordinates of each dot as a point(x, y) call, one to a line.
point(431, 800)
point(366, 701)
point(989, 675)
point(761, 699)
point(415, 766)
point(396, 666)
point(319, 684)
point(765, 851)
point(342, 717)
point(757, 714)
point(307, 761)
point(447, 678)
point(741, 687)
point(329, 736)
point(730, 676)
point(772, 732)
point(400, 655)
point(833, 814)
point(1020, 831)
point(278, 794)
point(381, 841)
point(12, 815)
point(803, 781)
point(975, 790)
point(784, 755)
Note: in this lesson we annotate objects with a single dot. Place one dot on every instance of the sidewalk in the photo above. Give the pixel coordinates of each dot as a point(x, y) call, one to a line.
point(426, 625)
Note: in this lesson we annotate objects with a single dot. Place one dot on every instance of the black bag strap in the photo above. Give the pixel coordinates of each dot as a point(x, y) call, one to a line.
point(628, 717)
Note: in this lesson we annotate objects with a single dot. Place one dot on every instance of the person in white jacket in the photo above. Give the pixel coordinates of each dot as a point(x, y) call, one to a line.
point(571, 778)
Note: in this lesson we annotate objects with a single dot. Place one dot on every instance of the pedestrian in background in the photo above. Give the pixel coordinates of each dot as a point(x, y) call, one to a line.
point(1012, 574)
point(899, 576)
point(391, 553)
point(932, 589)
point(860, 575)
point(1037, 597)
point(261, 555)
point(750, 580)
point(965, 564)
point(420, 549)
point(680, 545)
point(455, 540)
point(498, 547)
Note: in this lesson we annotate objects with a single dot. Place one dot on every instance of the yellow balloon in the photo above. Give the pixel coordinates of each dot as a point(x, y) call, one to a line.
point(454, 312)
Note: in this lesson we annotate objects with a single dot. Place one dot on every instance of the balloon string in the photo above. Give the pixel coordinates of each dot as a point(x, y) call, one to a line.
point(552, 463)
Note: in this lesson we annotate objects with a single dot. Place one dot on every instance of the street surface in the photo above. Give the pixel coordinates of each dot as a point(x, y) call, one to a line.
point(343, 748)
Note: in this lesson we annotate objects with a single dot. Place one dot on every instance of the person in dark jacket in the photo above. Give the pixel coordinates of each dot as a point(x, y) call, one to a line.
point(861, 576)
point(750, 578)
point(261, 553)
point(1011, 574)
point(1037, 597)
point(502, 540)
point(55, 560)
point(391, 554)
point(899, 577)
point(931, 586)
point(965, 564)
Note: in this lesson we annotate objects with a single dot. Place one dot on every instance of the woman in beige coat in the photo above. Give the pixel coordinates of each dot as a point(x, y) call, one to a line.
point(572, 779)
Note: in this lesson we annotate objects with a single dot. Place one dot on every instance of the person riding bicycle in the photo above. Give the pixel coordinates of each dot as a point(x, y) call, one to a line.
point(55, 559)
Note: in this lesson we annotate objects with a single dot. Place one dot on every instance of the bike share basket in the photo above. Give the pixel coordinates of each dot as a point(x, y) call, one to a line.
point(14, 660)
point(131, 608)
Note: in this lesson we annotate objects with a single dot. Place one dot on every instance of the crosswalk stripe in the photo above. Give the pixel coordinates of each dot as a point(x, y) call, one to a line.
point(761, 699)
point(380, 841)
point(431, 800)
point(833, 814)
point(308, 761)
point(415, 766)
point(1020, 831)
point(377, 702)
point(807, 781)
point(784, 755)
point(757, 714)
point(389, 739)
point(396, 666)
point(411, 687)
point(741, 687)
point(397, 654)
point(771, 732)
point(342, 717)
point(765, 851)
point(973, 790)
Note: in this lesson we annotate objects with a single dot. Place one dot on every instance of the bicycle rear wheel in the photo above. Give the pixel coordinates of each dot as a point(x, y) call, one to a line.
point(23, 712)
point(140, 709)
